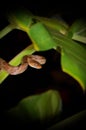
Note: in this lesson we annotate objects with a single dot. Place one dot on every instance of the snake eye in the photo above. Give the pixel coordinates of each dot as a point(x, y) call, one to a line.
point(34, 64)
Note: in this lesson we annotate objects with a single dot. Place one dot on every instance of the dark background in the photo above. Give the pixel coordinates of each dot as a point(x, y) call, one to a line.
point(46, 7)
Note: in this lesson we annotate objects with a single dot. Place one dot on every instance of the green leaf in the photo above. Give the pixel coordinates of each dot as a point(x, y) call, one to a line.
point(41, 107)
point(73, 57)
point(74, 67)
point(41, 38)
point(24, 20)
point(21, 18)
point(56, 24)
point(73, 54)
point(77, 31)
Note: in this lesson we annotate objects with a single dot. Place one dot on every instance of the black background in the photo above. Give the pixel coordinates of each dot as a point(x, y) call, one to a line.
point(45, 7)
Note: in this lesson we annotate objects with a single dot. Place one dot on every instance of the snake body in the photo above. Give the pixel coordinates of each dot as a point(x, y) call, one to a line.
point(34, 61)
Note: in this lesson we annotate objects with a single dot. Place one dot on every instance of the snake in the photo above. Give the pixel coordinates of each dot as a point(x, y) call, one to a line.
point(34, 61)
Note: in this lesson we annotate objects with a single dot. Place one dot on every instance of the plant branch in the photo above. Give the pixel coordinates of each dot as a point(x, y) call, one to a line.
point(16, 61)
point(6, 30)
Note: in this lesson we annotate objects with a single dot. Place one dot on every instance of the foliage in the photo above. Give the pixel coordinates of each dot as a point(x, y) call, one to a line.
point(46, 34)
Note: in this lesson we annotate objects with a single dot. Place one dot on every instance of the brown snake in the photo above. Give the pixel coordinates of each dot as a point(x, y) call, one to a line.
point(34, 61)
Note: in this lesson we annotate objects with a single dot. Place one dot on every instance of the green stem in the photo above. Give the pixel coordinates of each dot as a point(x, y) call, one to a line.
point(16, 61)
point(6, 30)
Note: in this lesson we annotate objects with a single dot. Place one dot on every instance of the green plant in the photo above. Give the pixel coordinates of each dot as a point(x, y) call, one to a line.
point(46, 34)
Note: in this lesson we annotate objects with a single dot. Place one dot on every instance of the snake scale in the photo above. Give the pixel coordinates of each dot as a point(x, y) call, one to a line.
point(34, 61)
